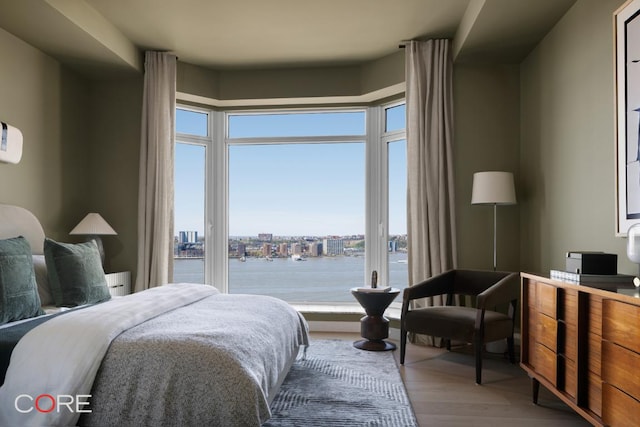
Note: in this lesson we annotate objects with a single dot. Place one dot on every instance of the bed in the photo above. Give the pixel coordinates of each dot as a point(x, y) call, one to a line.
point(178, 354)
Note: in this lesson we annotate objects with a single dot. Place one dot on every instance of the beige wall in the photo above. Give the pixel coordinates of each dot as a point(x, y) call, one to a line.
point(47, 103)
point(81, 142)
point(116, 109)
point(228, 86)
point(486, 138)
point(567, 150)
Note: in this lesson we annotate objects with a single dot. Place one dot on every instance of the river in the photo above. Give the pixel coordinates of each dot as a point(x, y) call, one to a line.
point(321, 279)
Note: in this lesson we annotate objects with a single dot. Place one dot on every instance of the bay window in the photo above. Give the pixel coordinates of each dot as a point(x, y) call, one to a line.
point(302, 205)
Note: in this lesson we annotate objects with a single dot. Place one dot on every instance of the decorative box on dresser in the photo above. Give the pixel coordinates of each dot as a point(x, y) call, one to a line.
point(583, 344)
point(119, 283)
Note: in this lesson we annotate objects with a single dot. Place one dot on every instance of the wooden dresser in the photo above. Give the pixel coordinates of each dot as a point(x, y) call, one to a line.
point(583, 344)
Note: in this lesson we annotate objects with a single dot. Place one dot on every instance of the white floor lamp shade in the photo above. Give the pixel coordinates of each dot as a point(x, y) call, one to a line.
point(493, 188)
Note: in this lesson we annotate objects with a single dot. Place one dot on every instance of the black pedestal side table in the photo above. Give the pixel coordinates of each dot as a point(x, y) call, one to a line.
point(374, 327)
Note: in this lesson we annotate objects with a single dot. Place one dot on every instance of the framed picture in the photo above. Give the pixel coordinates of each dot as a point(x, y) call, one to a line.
point(627, 62)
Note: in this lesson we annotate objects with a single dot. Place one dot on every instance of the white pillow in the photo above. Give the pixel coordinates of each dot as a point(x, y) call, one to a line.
point(42, 280)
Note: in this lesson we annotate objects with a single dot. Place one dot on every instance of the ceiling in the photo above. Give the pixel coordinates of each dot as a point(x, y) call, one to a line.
point(100, 37)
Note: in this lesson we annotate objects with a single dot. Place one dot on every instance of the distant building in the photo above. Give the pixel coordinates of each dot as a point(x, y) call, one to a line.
point(187, 245)
point(393, 245)
point(283, 249)
point(333, 246)
point(296, 249)
point(188, 237)
point(315, 249)
point(265, 237)
point(242, 249)
point(266, 249)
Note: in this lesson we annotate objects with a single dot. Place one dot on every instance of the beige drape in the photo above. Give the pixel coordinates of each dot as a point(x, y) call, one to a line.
point(430, 187)
point(155, 195)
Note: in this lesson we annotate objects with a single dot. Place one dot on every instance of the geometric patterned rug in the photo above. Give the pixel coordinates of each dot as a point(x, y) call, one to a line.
point(336, 384)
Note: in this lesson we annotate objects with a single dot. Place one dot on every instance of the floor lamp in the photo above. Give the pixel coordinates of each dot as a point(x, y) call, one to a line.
point(493, 188)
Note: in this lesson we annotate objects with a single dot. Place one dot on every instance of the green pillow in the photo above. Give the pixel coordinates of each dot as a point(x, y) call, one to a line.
point(18, 289)
point(75, 273)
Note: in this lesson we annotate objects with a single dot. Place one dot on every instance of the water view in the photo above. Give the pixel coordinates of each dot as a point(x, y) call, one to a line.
point(317, 279)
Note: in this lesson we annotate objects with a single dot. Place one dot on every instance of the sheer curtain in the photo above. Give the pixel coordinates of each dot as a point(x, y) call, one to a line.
point(430, 187)
point(155, 194)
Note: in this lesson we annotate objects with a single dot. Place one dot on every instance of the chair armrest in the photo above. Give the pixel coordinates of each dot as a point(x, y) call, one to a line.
point(436, 285)
point(505, 290)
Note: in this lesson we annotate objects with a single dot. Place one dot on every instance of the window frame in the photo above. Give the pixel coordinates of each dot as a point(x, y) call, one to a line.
point(207, 143)
point(375, 138)
point(387, 137)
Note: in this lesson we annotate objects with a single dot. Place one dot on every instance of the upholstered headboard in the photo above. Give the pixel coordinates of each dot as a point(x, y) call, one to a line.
point(16, 221)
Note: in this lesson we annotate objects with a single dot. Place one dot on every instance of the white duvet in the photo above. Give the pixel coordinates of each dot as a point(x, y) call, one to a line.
point(61, 356)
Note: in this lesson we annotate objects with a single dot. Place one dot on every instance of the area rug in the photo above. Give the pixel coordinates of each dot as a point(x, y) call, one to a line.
point(336, 384)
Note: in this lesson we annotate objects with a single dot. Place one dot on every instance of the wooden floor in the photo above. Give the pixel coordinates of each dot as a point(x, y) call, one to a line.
point(443, 392)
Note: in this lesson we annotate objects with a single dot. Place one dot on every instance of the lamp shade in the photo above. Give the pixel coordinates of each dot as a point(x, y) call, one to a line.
point(491, 188)
point(93, 224)
point(633, 243)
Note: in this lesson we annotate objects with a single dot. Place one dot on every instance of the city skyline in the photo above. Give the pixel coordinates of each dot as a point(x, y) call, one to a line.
point(189, 245)
point(284, 236)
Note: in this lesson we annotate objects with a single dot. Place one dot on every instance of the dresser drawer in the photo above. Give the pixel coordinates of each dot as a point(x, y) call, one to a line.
point(595, 314)
point(545, 363)
point(547, 300)
point(618, 408)
point(620, 368)
point(594, 397)
point(595, 353)
point(547, 331)
point(570, 377)
point(532, 322)
point(568, 308)
point(620, 324)
point(570, 342)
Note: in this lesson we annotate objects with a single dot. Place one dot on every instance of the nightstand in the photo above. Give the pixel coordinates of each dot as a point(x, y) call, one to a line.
point(374, 327)
point(119, 283)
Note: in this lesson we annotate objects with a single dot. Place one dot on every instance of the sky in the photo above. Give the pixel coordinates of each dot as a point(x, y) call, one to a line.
point(309, 189)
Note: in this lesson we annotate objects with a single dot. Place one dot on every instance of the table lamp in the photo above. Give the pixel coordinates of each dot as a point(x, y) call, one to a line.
point(93, 226)
point(493, 188)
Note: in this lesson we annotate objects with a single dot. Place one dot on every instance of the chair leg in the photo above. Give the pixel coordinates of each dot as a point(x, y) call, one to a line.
point(478, 352)
point(511, 349)
point(403, 344)
point(448, 344)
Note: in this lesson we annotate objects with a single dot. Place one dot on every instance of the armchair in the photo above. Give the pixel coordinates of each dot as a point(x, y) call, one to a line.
point(477, 325)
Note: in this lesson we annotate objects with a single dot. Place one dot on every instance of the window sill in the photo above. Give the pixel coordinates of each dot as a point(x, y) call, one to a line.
point(328, 309)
